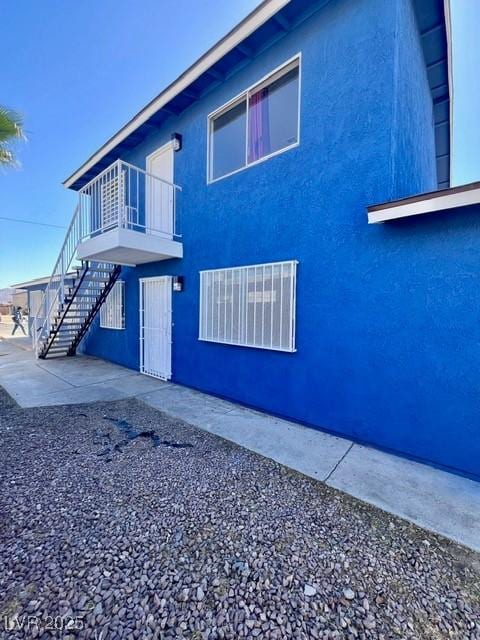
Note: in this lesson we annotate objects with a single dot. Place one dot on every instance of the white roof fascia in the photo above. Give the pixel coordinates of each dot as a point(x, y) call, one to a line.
point(244, 28)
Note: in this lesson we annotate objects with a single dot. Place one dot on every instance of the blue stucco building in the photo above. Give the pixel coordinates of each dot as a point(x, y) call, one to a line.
point(238, 202)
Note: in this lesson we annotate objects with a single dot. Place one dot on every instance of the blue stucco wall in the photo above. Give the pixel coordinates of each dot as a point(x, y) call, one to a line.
point(386, 333)
point(412, 121)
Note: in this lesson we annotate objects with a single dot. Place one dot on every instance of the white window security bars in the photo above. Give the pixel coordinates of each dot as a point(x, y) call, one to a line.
point(124, 196)
point(112, 312)
point(250, 306)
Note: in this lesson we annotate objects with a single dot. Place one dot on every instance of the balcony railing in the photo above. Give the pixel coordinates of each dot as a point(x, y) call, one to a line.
point(121, 197)
point(126, 197)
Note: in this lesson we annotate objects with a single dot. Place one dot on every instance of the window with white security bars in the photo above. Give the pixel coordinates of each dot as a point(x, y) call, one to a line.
point(112, 312)
point(250, 306)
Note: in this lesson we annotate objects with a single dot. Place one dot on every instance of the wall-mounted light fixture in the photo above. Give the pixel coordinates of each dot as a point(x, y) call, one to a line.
point(178, 283)
point(176, 141)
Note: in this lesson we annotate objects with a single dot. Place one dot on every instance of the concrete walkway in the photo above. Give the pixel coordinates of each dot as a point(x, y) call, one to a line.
point(442, 502)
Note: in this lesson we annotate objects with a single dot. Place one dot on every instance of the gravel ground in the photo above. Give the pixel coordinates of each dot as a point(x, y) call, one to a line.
point(118, 522)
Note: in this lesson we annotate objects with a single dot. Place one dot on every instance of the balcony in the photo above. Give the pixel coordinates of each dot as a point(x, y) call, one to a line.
point(127, 217)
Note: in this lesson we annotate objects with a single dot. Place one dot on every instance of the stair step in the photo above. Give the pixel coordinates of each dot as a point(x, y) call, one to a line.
point(43, 356)
point(82, 287)
point(92, 284)
point(70, 327)
point(88, 293)
point(80, 306)
point(95, 278)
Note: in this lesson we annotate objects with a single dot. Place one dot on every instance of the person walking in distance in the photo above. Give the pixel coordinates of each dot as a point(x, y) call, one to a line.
point(17, 320)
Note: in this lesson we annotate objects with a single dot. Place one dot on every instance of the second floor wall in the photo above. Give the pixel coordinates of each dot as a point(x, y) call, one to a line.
point(365, 130)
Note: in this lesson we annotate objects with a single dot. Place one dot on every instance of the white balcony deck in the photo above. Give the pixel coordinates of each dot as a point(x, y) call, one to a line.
point(127, 247)
point(128, 217)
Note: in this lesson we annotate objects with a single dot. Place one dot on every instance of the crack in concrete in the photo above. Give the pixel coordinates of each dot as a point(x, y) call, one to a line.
point(338, 463)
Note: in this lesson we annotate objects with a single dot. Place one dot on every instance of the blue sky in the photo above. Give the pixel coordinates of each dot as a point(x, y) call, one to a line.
point(78, 71)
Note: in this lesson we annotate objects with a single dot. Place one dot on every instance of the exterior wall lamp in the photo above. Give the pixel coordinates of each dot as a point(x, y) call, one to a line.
point(178, 283)
point(176, 141)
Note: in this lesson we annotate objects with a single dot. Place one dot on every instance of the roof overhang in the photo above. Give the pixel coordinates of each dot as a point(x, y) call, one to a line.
point(265, 11)
point(263, 26)
point(38, 281)
point(31, 283)
point(436, 201)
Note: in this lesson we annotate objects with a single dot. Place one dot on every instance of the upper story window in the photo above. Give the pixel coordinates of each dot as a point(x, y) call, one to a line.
point(261, 122)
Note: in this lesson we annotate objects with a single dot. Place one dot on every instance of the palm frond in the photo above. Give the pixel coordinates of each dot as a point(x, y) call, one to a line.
point(11, 129)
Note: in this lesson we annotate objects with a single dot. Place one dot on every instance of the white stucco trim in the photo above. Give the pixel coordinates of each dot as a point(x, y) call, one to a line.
point(429, 203)
point(244, 28)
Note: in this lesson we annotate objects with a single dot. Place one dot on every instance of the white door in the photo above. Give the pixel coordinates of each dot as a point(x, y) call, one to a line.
point(160, 193)
point(156, 327)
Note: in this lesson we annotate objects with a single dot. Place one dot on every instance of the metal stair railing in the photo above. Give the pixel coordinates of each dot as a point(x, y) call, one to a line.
point(65, 335)
point(90, 315)
point(118, 197)
point(54, 294)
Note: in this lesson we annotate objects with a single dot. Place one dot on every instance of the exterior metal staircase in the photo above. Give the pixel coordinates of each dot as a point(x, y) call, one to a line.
point(90, 285)
point(125, 215)
point(72, 298)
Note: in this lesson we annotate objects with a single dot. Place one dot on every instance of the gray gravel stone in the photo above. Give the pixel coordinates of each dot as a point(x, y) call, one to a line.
point(206, 541)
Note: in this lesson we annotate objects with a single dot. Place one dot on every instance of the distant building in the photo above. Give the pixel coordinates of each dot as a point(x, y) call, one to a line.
point(28, 295)
point(20, 299)
point(6, 296)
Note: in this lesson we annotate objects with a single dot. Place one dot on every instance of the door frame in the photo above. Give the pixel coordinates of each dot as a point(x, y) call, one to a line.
point(148, 160)
point(141, 338)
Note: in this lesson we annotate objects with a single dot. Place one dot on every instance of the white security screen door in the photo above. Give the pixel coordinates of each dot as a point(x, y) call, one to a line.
point(159, 218)
point(156, 327)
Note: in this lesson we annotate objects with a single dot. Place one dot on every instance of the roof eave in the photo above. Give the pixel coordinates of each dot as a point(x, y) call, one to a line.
point(243, 29)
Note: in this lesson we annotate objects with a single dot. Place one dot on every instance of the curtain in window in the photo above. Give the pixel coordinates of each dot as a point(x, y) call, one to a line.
point(258, 125)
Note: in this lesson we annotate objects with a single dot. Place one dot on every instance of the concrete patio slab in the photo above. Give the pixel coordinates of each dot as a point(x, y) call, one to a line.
point(83, 370)
point(311, 452)
point(9, 352)
point(189, 405)
point(433, 499)
point(136, 384)
point(31, 391)
point(19, 340)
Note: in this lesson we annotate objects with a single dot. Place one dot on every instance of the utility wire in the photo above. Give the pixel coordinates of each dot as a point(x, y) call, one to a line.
point(41, 224)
